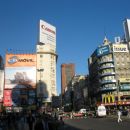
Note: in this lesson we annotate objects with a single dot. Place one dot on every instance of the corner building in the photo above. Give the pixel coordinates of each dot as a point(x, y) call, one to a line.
point(46, 63)
point(109, 72)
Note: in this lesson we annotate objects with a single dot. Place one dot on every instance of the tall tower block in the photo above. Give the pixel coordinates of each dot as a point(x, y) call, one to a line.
point(46, 62)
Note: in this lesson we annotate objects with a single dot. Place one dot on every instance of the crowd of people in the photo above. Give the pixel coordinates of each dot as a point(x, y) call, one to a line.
point(30, 121)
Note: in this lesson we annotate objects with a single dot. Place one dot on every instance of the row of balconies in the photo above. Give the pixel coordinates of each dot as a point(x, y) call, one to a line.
point(105, 61)
point(108, 81)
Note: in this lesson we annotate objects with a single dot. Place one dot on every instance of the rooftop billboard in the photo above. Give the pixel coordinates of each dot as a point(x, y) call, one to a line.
point(120, 48)
point(47, 33)
point(103, 50)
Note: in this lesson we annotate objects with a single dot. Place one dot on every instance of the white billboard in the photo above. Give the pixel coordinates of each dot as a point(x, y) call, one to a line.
point(47, 33)
point(120, 48)
point(126, 24)
point(1, 84)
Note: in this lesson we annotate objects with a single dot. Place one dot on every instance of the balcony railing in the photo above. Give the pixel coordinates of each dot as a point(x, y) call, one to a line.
point(106, 67)
point(105, 61)
point(107, 74)
point(108, 81)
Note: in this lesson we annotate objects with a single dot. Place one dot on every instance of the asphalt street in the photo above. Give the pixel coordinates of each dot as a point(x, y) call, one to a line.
point(97, 124)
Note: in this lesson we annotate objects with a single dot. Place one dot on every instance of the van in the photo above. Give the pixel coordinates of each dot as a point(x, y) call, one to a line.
point(101, 111)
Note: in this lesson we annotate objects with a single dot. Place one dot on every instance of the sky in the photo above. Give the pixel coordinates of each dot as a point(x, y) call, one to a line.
point(81, 26)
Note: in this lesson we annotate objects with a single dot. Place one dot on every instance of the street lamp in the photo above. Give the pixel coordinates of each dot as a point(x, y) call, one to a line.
point(72, 98)
point(40, 86)
point(118, 90)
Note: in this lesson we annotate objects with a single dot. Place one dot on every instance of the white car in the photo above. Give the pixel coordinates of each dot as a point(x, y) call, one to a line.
point(83, 111)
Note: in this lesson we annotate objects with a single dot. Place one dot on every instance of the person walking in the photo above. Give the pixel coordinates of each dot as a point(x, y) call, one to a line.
point(119, 116)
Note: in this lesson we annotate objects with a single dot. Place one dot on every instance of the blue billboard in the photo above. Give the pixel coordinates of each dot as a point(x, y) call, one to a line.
point(125, 87)
point(103, 50)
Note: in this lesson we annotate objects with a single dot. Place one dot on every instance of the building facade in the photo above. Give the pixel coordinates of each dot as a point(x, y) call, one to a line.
point(67, 73)
point(109, 74)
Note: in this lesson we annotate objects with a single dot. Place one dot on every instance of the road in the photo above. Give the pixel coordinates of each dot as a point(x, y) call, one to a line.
point(96, 124)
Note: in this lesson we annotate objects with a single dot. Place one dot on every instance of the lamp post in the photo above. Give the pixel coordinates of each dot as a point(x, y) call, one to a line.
point(40, 87)
point(72, 98)
point(118, 90)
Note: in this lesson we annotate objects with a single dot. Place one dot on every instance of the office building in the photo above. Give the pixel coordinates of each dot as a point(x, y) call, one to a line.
point(67, 73)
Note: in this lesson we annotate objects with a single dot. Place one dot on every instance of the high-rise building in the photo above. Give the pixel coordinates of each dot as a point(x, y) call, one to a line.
point(46, 62)
point(126, 25)
point(67, 72)
point(109, 74)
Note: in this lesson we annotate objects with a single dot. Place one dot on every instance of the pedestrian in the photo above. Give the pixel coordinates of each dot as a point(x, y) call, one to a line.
point(119, 116)
point(30, 121)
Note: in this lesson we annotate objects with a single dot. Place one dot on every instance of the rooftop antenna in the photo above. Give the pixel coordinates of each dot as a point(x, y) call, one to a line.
point(105, 41)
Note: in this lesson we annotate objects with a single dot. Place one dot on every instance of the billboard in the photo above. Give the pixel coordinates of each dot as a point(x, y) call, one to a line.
point(120, 48)
point(103, 50)
point(1, 84)
point(47, 33)
point(7, 97)
point(20, 77)
point(125, 83)
point(19, 60)
point(20, 71)
point(126, 25)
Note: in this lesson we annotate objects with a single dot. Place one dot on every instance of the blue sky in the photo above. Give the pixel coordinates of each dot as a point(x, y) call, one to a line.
point(81, 26)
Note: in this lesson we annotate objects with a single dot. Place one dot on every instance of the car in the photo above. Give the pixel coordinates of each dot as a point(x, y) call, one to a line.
point(83, 111)
point(78, 114)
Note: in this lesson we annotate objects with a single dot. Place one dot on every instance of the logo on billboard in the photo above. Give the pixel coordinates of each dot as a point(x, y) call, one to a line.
point(103, 50)
point(47, 29)
point(120, 48)
point(15, 59)
point(47, 33)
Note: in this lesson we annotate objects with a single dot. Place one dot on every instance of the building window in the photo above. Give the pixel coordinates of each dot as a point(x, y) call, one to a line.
point(41, 56)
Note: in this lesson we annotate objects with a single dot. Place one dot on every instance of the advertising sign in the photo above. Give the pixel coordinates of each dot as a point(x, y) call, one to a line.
point(125, 87)
point(7, 98)
point(20, 77)
point(124, 80)
point(20, 71)
point(126, 25)
point(1, 84)
point(125, 83)
point(103, 50)
point(47, 33)
point(19, 60)
point(120, 48)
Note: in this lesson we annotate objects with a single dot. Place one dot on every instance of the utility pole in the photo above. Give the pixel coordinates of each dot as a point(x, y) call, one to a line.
point(118, 91)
